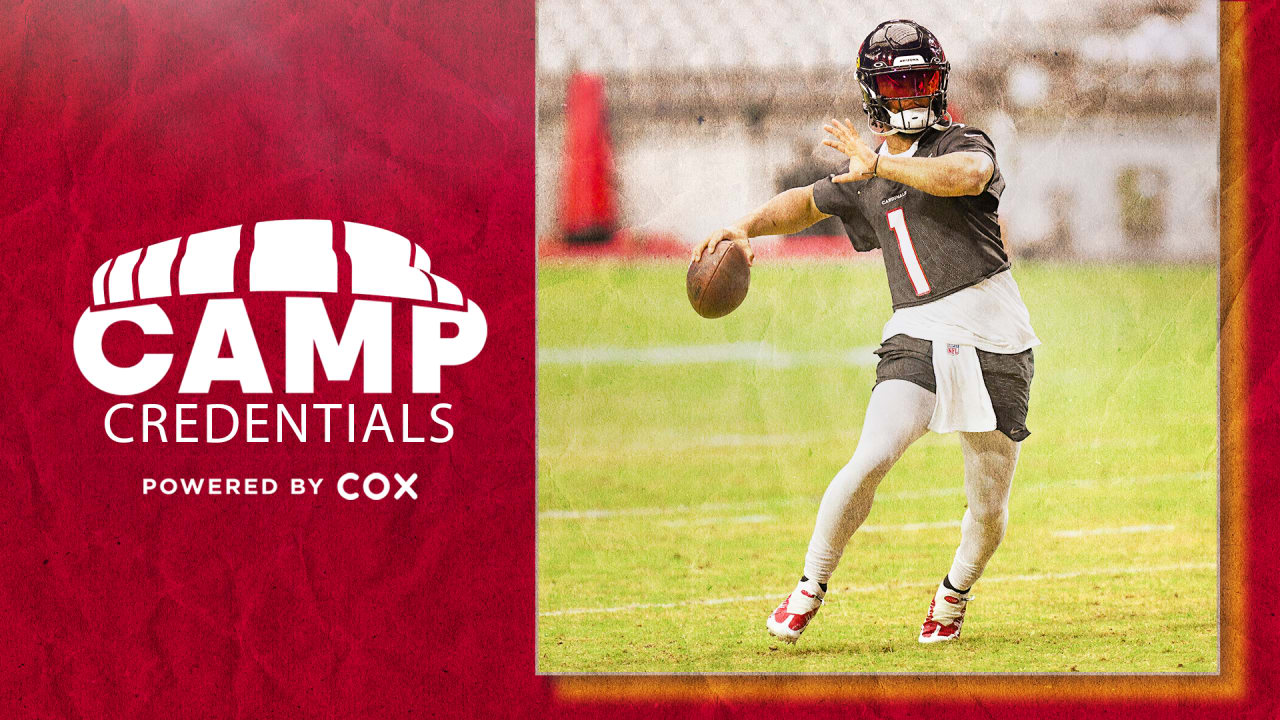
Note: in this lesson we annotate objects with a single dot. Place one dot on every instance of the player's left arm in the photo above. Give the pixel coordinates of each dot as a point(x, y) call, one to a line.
point(954, 174)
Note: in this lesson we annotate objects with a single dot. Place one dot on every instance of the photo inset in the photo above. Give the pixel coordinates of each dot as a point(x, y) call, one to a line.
point(939, 392)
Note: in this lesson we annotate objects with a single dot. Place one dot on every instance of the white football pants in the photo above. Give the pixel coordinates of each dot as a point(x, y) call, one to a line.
point(897, 415)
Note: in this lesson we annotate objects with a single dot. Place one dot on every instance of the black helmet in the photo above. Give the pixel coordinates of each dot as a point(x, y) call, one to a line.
point(901, 61)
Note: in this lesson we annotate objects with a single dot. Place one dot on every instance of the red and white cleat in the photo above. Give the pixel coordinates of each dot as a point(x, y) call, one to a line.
point(797, 609)
point(946, 615)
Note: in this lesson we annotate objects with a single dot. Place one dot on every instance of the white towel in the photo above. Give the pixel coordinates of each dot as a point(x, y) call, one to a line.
point(963, 404)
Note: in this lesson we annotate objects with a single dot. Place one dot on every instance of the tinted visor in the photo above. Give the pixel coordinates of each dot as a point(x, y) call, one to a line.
point(908, 83)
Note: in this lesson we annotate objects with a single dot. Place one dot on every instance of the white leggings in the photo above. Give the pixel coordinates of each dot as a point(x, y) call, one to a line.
point(897, 415)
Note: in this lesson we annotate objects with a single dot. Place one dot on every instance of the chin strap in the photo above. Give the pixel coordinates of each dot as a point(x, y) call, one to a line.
point(875, 127)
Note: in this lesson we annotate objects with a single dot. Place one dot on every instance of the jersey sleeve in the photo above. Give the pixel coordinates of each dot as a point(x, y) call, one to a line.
point(839, 199)
point(967, 139)
point(831, 198)
point(964, 138)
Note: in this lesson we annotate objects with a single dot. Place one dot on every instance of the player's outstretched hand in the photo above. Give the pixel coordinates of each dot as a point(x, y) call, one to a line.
point(737, 235)
point(845, 139)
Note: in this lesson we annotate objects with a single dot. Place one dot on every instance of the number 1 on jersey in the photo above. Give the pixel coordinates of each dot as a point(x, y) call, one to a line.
point(898, 224)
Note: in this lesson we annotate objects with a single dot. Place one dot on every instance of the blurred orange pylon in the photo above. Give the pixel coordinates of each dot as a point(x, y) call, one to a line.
point(588, 208)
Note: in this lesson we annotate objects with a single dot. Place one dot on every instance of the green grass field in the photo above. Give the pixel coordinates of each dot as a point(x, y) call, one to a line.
point(676, 496)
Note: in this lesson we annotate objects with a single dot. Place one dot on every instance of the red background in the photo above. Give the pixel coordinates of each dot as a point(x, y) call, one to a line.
point(127, 123)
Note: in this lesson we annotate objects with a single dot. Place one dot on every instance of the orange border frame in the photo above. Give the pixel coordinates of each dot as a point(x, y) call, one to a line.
point(1230, 683)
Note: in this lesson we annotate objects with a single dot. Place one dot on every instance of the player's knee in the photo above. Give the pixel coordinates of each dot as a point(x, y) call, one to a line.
point(857, 479)
point(871, 468)
point(877, 457)
point(993, 516)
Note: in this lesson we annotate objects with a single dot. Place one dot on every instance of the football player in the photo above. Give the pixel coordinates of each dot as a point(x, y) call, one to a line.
point(956, 353)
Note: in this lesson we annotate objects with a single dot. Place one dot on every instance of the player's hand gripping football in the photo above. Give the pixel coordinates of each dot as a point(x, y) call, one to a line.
point(844, 138)
point(736, 234)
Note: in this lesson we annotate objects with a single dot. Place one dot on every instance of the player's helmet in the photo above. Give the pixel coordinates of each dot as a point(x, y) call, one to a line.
point(903, 74)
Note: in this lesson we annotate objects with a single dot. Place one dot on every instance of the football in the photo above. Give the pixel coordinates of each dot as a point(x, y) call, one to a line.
point(717, 282)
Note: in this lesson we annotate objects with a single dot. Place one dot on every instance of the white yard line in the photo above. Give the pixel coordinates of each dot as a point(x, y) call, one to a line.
point(663, 441)
point(684, 442)
point(1183, 567)
point(642, 511)
point(955, 490)
point(914, 527)
point(1125, 530)
point(748, 519)
point(701, 522)
point(758, 353)
point(666, 445)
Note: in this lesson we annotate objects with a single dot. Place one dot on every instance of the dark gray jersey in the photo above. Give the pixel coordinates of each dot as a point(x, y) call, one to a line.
point(933, 246)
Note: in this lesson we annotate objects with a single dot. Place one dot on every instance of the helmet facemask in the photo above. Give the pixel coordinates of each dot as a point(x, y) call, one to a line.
point(904, 100)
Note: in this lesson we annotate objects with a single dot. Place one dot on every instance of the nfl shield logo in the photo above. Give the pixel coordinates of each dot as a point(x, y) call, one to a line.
point(953, 349)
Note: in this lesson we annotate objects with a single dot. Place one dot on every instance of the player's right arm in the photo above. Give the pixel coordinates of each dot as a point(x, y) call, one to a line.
point(787, 212)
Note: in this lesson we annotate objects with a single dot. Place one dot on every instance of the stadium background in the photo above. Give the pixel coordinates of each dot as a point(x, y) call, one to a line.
point(1104, 114)
point(677, 118)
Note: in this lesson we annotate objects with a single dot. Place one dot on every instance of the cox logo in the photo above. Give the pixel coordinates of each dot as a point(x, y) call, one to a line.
point(305, 260)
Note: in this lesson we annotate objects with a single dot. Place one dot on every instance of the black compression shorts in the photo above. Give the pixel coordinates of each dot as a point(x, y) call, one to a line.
point(1007, 377)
